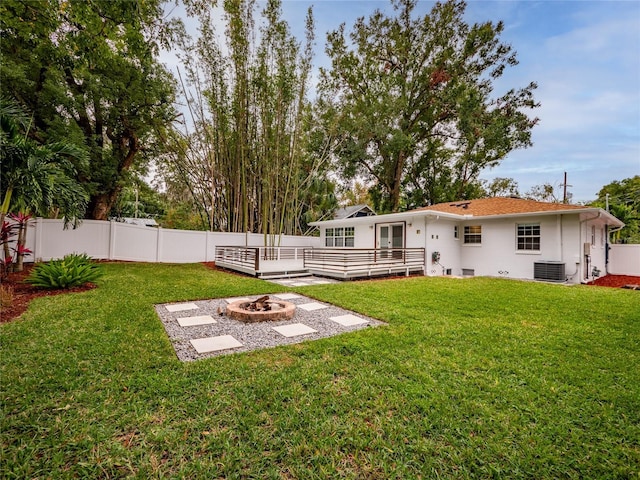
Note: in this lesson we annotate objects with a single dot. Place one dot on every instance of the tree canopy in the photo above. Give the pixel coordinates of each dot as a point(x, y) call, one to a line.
point(87, 70)
point(410, 105)
point(623, 199)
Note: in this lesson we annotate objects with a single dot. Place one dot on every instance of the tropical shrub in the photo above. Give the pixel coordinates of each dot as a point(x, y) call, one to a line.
point(13, 261)
point(71, 271)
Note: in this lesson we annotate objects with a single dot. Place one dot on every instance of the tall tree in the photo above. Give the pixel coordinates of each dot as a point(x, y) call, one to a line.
point(413, 106)
point(246, 163)
point(87, 71)
point(623, 199)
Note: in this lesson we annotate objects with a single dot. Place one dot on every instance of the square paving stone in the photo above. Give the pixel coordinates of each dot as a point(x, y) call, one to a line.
point(348, 320)
point(200, 320)
point(179, 307)
point(310, 307)
point(286, 296)
point(294, 329)
point(213, 344)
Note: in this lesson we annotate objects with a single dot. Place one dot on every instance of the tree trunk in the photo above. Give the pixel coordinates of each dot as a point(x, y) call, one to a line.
point(101, 205)
point(22, 239)
point(397, 182)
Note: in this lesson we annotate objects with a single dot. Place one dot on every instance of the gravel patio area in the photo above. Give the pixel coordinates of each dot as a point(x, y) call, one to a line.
point(197, 329)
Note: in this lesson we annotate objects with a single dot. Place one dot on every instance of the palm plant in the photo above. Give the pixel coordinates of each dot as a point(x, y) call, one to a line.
point(36, 178)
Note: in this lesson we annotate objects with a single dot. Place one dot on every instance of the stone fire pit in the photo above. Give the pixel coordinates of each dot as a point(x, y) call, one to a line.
point(261, 310)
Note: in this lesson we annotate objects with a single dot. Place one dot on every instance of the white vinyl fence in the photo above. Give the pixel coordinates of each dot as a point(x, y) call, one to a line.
point(120, 241)
point(624, 259)
point(103, 240)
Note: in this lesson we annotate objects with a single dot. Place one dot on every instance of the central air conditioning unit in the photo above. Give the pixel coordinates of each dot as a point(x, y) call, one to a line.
point(549, 271)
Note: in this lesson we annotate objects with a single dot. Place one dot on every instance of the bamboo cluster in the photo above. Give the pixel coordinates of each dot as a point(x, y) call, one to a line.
point(245, 163)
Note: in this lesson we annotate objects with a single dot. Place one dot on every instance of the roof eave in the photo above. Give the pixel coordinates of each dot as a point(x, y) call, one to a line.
point(392, 217)
point(386, 218)
point(600, 213)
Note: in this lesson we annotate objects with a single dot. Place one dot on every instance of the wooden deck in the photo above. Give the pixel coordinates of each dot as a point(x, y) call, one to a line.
point(342, 263)
point(263, 262)
point(363, 262)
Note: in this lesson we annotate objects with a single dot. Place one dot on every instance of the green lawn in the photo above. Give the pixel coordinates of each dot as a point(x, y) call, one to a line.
point(477, 378)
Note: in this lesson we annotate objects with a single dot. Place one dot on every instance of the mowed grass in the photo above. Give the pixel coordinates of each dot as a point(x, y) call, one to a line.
point(476, 378)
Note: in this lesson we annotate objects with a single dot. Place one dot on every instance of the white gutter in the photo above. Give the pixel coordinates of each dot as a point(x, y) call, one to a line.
point(581, 246)
point(386, 218)
point(393, 217)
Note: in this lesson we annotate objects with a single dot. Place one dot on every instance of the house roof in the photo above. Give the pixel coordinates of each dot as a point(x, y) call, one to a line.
point(484, 207)
point(353, 211)
point(488, 208)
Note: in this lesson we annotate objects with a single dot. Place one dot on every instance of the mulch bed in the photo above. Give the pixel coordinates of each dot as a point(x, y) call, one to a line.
point(616, 281)
point(23, 293)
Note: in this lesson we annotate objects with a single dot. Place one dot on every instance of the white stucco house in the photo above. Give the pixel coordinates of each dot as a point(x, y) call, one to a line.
point(503, 237)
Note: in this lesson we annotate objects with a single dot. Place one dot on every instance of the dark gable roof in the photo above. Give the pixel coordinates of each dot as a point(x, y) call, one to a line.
point(353, 211)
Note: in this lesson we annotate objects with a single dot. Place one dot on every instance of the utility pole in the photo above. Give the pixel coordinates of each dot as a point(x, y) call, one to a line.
point(565, 185)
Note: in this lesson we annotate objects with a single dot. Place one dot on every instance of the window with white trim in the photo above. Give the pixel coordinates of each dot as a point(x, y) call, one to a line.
point(473, 234)
point(528, 237)
point(339, 237)
point(456, 232)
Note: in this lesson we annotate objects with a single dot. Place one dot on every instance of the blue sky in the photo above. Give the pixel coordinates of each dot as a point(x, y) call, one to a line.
point(585, 57)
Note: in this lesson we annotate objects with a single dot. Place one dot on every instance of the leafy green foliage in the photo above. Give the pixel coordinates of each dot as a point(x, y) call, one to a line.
point(409, 104)
point(71, 271)
point(37, 178)
point(140, 200)
point(88, 74)
point(624, 204)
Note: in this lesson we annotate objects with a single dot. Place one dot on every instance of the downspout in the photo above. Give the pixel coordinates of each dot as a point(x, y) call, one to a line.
point(607, 232)
point(560, 235)
point(608, 245)
point(560, 227)
point(584, 255)
point(606, 249)
point(426, 263)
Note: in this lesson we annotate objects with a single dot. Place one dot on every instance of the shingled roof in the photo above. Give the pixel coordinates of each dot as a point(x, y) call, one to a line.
point(498, 206)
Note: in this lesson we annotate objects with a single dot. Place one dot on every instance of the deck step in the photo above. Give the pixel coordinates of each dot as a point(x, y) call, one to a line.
point(284, 274)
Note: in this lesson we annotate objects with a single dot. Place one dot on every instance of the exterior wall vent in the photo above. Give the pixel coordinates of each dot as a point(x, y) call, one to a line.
point(549, 271)
point(468, 272)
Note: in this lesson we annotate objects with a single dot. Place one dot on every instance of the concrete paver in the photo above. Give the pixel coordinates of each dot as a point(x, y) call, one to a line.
point(294, 330)
point(214, 344)
point(179, 307)
point(199, 320)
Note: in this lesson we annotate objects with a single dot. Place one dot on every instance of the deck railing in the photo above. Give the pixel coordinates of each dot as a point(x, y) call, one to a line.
point(331, 262)
point(246, 258)
point(359, 262)
point(260, 260)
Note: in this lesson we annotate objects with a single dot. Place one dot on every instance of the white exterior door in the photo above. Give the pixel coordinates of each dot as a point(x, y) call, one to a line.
point(390, 235)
